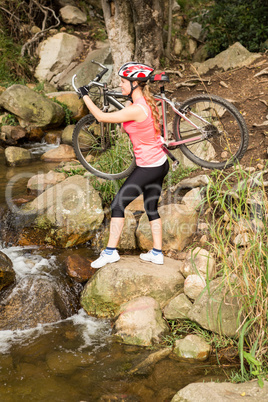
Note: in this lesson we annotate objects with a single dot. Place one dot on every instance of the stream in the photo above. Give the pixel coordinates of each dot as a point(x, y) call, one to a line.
point(77, 359)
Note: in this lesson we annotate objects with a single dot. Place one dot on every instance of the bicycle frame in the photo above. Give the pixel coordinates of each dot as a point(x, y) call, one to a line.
point(110, 97)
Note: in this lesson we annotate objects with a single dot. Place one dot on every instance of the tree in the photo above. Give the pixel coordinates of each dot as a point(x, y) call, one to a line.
point(135, 31)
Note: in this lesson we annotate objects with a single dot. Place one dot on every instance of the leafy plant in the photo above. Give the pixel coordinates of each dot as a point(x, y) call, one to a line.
point(9, 120)
point(68, 113)
point(229, 21)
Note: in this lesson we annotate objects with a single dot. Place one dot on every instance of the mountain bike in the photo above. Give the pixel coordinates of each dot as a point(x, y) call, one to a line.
point(207, 129)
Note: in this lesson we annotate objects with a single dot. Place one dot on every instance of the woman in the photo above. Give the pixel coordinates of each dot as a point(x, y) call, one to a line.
point(141, 122)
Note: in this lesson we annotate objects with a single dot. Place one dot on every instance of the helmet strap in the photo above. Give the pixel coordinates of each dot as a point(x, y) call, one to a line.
point(132, 89)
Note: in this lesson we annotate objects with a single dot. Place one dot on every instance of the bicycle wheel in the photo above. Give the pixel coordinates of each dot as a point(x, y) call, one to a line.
point(103, 149)
point(224, 132)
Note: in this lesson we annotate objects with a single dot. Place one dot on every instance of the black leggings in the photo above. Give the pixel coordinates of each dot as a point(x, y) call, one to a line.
point(146, 180)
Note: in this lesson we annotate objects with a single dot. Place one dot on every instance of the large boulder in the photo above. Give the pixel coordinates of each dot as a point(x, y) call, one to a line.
point(216, 309)
point(7, 273)
point(127, 279)
point(179, 224)
point(70, 99)
point(36, 300)
point(56, 54)
point(42, 181)
point(140, 322)
point(235, 56)
point(31, 107)
point(203, 150)
point(69, 213)
point(17, 156)
point(87, 70)
point(222, 392)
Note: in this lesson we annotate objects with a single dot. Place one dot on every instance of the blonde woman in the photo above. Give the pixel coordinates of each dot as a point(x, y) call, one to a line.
point(141, 121)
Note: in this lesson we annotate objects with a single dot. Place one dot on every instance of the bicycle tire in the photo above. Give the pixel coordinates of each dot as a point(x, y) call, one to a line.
point(106, 154)
point(226, 130)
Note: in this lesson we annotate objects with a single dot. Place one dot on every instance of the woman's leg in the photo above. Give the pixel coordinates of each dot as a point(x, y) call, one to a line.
point(116, 227)
point(156, 229)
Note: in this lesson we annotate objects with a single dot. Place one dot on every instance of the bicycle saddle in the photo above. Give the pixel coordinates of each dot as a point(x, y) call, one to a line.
point(162, 77)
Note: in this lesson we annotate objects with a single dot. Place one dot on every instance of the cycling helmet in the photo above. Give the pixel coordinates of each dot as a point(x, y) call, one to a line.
point(133, 71)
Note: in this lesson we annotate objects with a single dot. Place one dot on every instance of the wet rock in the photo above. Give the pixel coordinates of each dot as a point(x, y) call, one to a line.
point(36, 300)
point(216, 309)
point(11, 134)
point(68, 213)
point(199, 261)
point(222, 392)
point(67, 134)
point(17, 156)
point(140, 322)
point(79, 268)
point(63, 152)
point(72, 15)
point(7, 273)
point(35, 134)
point(178, 307)
point(41, 182)
point(192, 347)
point(31, 107)
point(150, 361)
point(179, 223)
point(127, 279)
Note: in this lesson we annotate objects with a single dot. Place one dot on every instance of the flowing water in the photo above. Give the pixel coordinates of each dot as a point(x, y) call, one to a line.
point(77, 359)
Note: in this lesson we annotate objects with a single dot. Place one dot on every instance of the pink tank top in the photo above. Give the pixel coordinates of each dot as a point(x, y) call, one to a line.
point(147, 146)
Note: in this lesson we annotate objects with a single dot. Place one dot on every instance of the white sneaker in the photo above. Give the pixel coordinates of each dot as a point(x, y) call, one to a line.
point(155, 258)
point(105, 258)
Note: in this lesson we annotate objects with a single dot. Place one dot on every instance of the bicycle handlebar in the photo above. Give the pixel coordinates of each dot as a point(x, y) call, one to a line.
point(96, 80)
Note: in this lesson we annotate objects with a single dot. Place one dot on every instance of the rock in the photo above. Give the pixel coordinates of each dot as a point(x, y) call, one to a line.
point(79, 268)
point(11, 134)
point(72, 15)
point(56, 54)
point(68, 213)
point(192, 46)
point(70, 99)
point(193, 182)
point(194, 30)
point(177, 308)
point(31, 107)
point(43, 181)
point(233, 57)
point(67, 134)
point(53, 137)
point(63, 152)
point(136, 205)
point(199, 261)
point(127, 279)
point(203, 150)
point(150, 361)
point(222, 392)
point(193, 199)
point(216, 309)
point(36, 300)
point(178, 46)
point(179, 223)
point(86, 71)
point(7, 273)
point(17, 156)
point(140, 322)
point(192, 347)
point(201, 54)
point(193, 286)
point(35, 134)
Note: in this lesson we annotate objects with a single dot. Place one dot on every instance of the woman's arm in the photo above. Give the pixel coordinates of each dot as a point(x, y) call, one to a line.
point(130, 113)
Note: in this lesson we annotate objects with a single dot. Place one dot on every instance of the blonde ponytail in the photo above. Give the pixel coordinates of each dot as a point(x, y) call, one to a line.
point(151, 103)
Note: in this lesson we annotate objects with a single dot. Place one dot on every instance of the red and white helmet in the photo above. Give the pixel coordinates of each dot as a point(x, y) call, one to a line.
point(133, 71)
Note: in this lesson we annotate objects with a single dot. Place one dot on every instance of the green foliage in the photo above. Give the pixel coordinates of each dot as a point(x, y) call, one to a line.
point(238, 214)
point(68, 113)
point(173, 177)
point(13, 68)
point(9, 120)
point(230, 21)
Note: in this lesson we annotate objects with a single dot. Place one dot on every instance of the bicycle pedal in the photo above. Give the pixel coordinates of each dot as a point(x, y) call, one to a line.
point(174, 165)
